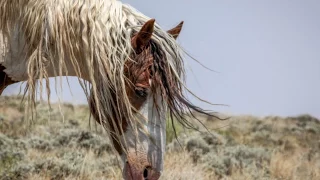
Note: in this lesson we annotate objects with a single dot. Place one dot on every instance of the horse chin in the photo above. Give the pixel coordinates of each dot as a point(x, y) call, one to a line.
point(145, 152)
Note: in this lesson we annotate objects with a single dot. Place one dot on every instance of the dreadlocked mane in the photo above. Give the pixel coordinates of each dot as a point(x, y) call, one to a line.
point(94, 39)
point(172, 89)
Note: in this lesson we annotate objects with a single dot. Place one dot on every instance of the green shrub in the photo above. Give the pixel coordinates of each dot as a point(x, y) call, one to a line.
point(173, 130)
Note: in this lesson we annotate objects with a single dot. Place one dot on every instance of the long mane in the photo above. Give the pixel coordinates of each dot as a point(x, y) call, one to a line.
point(98, 33)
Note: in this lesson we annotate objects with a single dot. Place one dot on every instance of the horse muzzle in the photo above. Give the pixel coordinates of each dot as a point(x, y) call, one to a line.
point(145, 146)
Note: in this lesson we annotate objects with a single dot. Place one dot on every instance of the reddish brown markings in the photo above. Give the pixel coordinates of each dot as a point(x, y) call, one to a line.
point(137, 72)
point(176, 30)
point(142, 38)
point(138, 167)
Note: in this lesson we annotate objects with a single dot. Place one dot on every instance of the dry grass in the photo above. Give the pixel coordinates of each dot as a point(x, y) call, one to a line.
point(294, 166)
point(180, 166)
point(242, 148)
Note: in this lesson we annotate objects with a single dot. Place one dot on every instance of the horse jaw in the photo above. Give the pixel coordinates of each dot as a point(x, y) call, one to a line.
point(146, 153)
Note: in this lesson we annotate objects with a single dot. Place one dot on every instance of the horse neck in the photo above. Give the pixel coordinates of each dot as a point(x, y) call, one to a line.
point(14, 59)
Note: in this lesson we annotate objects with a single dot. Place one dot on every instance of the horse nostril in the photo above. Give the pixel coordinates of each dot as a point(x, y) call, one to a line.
point(145, 172)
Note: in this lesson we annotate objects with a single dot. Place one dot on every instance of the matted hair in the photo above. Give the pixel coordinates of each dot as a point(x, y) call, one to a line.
point(95, 36)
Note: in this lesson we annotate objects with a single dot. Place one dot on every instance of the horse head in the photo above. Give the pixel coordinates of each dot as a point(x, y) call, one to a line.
point(142, 148)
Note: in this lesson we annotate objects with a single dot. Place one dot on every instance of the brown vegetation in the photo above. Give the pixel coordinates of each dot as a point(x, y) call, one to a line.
point(243, 147)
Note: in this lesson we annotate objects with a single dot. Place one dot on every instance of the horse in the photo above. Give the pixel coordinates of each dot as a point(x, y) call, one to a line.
point(134, 68)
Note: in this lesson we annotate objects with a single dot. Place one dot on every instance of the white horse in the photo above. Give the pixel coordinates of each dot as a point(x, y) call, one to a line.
point(135, 69)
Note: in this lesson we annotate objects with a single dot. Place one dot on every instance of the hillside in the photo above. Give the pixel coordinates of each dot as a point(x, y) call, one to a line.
point(72, 147)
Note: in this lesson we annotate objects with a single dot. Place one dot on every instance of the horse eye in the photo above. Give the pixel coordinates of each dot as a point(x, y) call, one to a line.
point(142, 92)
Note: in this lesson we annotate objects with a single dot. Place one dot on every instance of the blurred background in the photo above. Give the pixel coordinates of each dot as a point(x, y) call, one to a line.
point(265, 54)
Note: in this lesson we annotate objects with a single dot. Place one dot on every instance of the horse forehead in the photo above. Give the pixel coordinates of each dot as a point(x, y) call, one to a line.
point(139, 68)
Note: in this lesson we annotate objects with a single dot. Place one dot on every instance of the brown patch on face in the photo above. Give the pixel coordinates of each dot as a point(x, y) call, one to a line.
point(138, 78)
point(137, 70)
point(137, 85)
point(4, 79)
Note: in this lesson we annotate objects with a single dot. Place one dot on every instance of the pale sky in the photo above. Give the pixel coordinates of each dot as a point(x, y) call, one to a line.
point(266, 52)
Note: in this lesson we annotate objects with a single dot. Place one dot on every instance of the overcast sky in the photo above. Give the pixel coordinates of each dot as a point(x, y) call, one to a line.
point(266, 52)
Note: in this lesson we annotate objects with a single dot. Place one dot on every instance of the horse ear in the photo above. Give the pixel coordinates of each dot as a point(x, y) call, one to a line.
point(176, 30)
point(144, 35)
